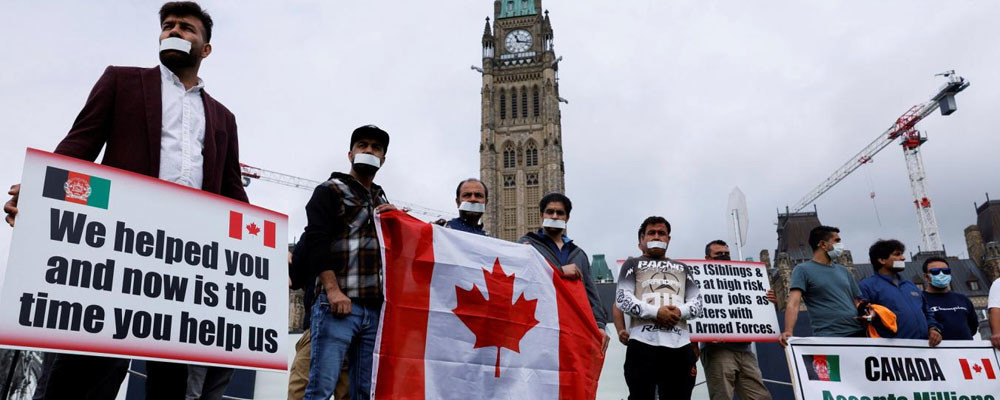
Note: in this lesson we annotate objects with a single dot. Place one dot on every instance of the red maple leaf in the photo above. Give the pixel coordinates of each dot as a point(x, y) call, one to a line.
point(253, 229)
point(498, 321)
point(977, 368)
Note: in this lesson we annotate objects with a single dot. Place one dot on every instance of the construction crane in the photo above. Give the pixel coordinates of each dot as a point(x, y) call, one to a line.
point(910, 139)
point(250, 173)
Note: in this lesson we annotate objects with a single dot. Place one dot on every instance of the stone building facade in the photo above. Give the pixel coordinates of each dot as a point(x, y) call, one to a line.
point(521, 156)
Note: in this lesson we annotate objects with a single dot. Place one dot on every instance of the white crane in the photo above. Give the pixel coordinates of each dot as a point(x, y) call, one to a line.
point(910, 139)
point(251, 172)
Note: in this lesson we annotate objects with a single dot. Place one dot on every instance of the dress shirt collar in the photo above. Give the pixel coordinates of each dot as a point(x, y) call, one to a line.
point(168, 76)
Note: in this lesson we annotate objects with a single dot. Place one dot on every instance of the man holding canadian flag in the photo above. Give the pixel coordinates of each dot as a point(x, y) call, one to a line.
point(470, 317)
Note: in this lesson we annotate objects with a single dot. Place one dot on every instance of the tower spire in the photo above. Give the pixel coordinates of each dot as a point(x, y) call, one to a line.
point(487, 40)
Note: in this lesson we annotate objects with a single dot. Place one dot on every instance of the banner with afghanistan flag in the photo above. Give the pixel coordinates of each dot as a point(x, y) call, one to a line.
point(113, 263)
point(472, 317)
point(892, 369)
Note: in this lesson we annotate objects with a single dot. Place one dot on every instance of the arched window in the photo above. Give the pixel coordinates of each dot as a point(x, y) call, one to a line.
point(509, 156)
point(524, 102)
point(530, 155)
point(503, 104)
point(513, 103)
point(534, 96)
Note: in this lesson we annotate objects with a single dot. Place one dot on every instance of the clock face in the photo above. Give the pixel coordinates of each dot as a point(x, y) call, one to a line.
point(518, 41)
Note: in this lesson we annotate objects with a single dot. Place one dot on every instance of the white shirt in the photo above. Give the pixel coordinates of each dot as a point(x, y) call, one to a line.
point(637, 276)
point(182, 131)
point(994, 299)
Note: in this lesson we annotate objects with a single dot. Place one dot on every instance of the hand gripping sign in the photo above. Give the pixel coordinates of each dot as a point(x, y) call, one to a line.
point(109, 262)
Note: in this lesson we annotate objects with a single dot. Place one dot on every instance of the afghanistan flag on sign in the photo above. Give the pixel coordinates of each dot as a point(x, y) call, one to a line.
point(75, 187)
point(822, 368)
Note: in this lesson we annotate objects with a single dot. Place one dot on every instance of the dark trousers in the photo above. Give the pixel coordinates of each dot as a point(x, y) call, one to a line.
point(166, 380)
point(85, 377)
point(651, 369)
point(99, 378)
point(207, 383)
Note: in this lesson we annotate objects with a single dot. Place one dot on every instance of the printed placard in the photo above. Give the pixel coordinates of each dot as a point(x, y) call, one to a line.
point(892, 369)
point(109, 262)
point(734, 295)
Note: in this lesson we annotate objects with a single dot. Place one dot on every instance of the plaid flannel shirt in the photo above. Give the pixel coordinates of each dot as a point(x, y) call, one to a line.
point(340, 235)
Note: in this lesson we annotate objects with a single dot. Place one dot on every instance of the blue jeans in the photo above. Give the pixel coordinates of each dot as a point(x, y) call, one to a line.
point(332, 338)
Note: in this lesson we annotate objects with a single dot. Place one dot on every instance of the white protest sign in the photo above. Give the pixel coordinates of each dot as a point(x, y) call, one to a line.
point(892, 369)
point(734, 295)
point(109, 262)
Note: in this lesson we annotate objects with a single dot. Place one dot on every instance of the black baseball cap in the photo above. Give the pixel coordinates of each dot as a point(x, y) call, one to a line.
point(371, 132)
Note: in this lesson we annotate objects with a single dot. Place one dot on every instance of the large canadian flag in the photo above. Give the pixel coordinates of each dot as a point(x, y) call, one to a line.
point(471, 317)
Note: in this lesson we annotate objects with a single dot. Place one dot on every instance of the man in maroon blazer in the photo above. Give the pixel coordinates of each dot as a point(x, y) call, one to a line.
point(159, 122)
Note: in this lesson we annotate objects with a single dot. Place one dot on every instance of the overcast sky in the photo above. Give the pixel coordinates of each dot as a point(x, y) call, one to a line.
point(671, 104)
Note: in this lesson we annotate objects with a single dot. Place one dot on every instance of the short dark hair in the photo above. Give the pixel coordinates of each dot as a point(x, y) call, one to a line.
point(555, 197)
point(370, 132)
point(883, 249)
point(717, 242)
point(650, 221)
point(819, 234)
point(185, 9)
point(458, 190)
point(935, 259)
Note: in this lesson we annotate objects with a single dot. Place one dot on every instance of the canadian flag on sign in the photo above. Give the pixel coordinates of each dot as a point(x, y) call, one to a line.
point(471, 317)
point(244, 227)
point(977, 368)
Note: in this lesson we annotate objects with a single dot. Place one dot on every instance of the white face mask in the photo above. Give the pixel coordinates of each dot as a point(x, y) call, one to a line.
point(367, 159)
point(554, 223)
point(175, 43)
point(898, 265)
point(472, 207)
point(656, 245)
point(838, 249)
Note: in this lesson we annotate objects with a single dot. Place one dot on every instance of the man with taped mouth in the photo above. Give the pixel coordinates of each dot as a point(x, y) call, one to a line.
point(551, 241)
point(471, 197)
point(731, 367)
point(158, 122)
point(661, 296)
point(343, 251)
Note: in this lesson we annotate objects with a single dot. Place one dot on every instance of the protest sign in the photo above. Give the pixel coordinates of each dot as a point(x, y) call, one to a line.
point(109, 262)
point(892, 369)
point(734, 295)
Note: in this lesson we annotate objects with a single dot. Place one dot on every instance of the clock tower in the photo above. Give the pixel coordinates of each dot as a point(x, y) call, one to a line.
point(520, 149)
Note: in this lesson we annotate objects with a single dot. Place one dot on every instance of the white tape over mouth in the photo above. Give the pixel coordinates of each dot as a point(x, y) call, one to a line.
point(554, 223)
point(656, 245)
point(175, 43)
point(368, 159)
point(472, 207)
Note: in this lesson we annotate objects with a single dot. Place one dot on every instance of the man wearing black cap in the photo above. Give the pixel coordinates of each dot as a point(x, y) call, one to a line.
point(342, 249)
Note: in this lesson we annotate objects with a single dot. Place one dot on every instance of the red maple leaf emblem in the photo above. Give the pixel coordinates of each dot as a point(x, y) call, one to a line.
point(253, 229)
point(977, 368)
point(498, 321)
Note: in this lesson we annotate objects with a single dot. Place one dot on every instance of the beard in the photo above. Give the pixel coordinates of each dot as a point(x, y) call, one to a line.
point(175, 60)
point(365, 169)
point(470, 216)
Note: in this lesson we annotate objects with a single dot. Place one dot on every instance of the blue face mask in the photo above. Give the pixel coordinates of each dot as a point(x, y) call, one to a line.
point(940, 281)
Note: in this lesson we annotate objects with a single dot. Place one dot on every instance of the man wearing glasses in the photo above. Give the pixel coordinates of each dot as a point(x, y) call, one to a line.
point(954, 311)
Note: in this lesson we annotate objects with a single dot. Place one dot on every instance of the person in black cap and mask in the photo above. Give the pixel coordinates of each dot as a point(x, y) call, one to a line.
point(342, 249)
